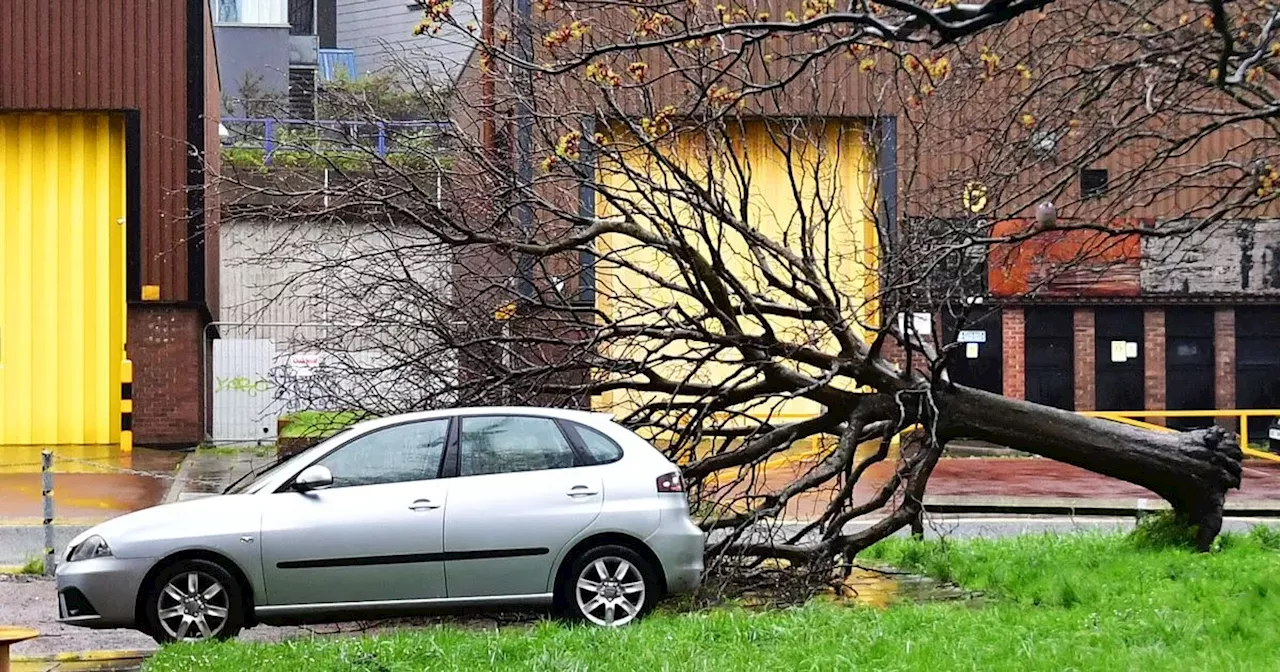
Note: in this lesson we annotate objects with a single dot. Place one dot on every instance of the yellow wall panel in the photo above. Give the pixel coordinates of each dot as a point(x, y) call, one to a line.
point(62, 253)
point(806, 187)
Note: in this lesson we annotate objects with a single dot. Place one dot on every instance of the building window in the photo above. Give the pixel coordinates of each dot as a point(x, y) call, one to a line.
point(302, 17)
point(1093, 182)
point(256, 12)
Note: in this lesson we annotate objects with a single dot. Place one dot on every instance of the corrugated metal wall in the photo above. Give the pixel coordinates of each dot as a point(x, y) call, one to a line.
point(62, 308)
point(114, 55)
point(823, 170)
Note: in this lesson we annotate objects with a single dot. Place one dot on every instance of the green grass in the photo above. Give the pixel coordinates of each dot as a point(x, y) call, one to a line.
point(313, 424)
point(1081, 602)
point(33, 567)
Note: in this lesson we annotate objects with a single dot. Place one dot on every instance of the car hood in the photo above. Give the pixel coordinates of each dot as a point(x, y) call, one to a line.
point(147, 532)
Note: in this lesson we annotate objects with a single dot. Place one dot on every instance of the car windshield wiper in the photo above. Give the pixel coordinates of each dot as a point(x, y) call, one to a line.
point(256, 472)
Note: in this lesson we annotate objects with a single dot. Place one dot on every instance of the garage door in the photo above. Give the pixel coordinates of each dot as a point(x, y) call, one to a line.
point(1257, 363)
point(62, 309)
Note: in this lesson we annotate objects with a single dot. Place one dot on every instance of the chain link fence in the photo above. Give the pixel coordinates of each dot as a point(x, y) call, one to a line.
point(261, 372)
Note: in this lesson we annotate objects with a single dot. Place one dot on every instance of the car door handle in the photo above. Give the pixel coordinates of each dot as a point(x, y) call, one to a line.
point(423, 505)
point(582, 491)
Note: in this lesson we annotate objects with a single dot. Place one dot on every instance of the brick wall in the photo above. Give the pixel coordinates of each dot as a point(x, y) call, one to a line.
point(165, 342)
point(1153, 343)
point(1013, 324)
point(1086, 372)
point(1224, 361)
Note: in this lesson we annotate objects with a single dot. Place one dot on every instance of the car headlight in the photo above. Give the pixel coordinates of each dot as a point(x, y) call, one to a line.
point(93, 547)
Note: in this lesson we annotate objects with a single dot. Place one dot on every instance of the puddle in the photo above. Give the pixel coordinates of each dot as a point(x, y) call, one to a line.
point(90, 482)
point(88, 459)
point(882, 588)
point(878, 587)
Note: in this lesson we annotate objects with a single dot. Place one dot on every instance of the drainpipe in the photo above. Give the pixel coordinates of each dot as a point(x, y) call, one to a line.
point(524, 140)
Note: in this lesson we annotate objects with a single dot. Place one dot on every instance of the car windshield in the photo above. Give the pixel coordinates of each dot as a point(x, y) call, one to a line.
point(253, 481)
point(250, 486)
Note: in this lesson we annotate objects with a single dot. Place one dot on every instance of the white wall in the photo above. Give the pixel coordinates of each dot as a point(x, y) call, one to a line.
point(366, 291)
point(381, 32)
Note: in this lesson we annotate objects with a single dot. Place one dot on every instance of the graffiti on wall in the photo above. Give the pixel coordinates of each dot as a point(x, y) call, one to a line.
point(250, 386)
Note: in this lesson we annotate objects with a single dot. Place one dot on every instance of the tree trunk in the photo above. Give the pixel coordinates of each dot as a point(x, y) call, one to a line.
point(1192, 470)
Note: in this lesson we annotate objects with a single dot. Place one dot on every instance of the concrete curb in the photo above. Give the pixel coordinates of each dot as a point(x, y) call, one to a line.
point(86, 657)
point(98, 661)
point(179, 483)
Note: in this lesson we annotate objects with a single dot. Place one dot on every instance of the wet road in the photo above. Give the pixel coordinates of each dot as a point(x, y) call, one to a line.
point(90, 484)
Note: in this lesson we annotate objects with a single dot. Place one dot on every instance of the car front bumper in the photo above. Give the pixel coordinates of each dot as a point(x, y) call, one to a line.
point(102, 592)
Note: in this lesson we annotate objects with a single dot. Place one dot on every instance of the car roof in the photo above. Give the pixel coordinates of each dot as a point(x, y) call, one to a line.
point(590, 417)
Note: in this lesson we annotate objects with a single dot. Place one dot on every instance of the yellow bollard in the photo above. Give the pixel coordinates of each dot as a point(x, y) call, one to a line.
point(126, 405)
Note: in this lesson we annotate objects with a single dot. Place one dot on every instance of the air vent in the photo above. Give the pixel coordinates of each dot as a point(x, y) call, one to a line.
point(1093, 182)
point(302, 93)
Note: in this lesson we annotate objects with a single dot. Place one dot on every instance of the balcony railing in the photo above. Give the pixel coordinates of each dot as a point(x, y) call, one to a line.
point(268, 140)
point(332, 62)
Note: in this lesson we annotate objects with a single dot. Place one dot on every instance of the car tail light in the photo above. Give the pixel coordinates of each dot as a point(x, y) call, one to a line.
point(671, 482)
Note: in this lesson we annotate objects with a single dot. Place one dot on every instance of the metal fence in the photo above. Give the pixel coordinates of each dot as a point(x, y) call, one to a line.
point(260, 372)
point(271, 137)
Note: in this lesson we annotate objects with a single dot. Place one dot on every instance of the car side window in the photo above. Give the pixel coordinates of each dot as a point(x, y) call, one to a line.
point(408, 452)
point(601, 448)
point(504, 444)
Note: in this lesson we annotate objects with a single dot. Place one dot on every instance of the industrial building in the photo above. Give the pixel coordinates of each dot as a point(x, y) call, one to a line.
point(108, 242)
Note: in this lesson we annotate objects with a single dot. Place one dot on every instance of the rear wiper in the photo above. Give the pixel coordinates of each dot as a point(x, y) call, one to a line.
point(254, 472)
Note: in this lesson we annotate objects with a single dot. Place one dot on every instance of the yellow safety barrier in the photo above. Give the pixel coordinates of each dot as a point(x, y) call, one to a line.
point(126, 405)
point(1128, 418)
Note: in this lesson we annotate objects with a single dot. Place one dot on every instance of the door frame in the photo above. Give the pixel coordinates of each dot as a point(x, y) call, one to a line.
point(1121, 325)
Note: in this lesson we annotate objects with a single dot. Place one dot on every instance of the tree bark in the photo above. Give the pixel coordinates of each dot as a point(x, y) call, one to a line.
point(1191, 470)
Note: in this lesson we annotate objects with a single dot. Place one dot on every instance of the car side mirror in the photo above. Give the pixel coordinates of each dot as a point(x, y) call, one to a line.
point(314, 477)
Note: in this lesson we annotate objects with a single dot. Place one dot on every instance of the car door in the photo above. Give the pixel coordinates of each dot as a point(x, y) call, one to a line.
point(519, 497)
point(376, 534)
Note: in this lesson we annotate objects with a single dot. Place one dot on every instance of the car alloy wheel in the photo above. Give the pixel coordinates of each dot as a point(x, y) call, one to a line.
point(610, 591)
point(193, 605)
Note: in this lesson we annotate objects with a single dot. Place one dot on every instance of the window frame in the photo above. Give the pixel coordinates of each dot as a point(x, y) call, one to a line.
point(287, 486)
point(452, 467)
point(281, 5)
point(570, 429)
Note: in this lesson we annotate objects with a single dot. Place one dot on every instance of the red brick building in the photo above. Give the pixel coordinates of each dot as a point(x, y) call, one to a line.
point(1148, 327)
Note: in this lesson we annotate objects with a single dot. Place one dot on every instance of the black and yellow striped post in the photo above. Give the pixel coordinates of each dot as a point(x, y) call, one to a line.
point(46, 494)
point(126, 405)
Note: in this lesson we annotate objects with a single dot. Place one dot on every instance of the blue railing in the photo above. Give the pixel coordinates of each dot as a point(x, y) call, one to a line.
point(381, 138)
point(334, 61)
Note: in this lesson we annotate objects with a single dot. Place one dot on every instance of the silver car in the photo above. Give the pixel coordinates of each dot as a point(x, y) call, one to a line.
point(440, 510)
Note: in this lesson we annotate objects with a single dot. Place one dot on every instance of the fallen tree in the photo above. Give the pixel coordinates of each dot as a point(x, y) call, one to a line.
point(688, 218)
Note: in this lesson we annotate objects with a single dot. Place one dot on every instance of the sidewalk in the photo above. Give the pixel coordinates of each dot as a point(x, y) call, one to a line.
point(94, 484)
point(1030, 483)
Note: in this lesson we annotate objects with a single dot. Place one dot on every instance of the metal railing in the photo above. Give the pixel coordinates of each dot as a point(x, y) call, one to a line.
point(1241, 415)
point(380, 138)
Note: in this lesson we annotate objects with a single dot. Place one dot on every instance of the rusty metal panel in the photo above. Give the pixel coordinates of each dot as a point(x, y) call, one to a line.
point(1067, 263)
point(113, 55)
point(212, 142)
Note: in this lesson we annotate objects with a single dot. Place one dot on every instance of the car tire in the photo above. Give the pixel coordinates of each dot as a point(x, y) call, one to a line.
point(609, 586)
point(191, 600)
